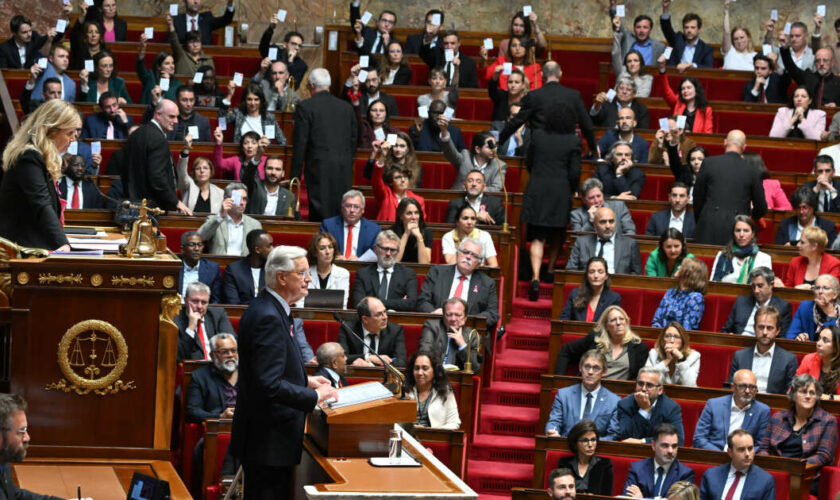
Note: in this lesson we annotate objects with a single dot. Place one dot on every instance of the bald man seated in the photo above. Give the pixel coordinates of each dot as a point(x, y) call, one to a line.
point(724, 414)
point(621, 253)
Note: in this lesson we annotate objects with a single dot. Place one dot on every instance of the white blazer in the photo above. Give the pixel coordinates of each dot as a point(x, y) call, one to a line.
point(443, 413)
point(685, 373)
point(339, 280)
point(189, 189)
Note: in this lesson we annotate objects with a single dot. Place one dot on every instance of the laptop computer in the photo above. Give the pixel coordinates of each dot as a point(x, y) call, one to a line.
point(332, 299)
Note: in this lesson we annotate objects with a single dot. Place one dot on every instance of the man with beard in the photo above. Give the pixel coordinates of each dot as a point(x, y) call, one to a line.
point(196, 268)
point(13, 444)
point(773, 366)
point(624, 131)
point(196, 323)
point(489, 209)
point(187, 117)
point(676, 216)
point(110, 123)
point(245, 277)
point(561, 484)
point(393, 283)
point(382, 337)
point(766, 86)
point(652, 477)
point(78, 192)
point(621, 253)
point(725, 414)
point(822, 84)
point(272, 79)
point(447, 336)
point(723, 481)
point(370, 91)
point(268, 197)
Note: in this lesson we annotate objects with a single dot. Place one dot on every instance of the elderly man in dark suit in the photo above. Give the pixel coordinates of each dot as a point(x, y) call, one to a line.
point(725, 187)
point(447, 336)
point(332, 363)
point(490, 211)
point(25, 46)
point(274, 393)
point(325, 138)
point(197, 323)
point(238, 285)
point(150, 173)
point(605, 114)
point(388, 280)
point(621, 253)
point(380, 336)
point(205, 22)
point(677, 216)
point(805, 203)
point(741, 320)
point(773, 366)
point(350, 227)
point(689, 50)
point(197, 268)
point(536, 104)
point(369, 40)
point(464, 280)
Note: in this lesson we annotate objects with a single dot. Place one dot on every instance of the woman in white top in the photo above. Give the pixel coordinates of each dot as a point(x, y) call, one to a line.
point(674, 357)
point(465, 228)
point(426, 383)
point(734, 263)
point(197, 192)
point(437, 82)
point(321, 253)
point(737, 46)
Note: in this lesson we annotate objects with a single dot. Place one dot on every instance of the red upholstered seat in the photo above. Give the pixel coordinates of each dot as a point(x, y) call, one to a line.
point(212, 491)
point(193, 432)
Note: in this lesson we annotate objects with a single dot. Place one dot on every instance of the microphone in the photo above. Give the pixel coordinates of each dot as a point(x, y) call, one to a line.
point(387, 366)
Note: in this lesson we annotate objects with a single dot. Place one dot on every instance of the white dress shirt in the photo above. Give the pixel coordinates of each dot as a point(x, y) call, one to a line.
point(677, 222)
point(761, 366)
point(271, 202)
point(583, 393)
point(730, 478)
point(21, 54)
point(71, 188)
point(236, 234)
point(255, 274)
point(190, 276)
point(465, 291)
point(736, 417)
point(749, 328)
point(609, 252)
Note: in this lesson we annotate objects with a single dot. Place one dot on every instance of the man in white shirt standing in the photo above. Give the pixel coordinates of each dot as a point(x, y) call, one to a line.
point(739, 479)
point(225, 232)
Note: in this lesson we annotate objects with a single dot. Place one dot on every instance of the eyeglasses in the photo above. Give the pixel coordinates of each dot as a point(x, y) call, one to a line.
point(23, 431)
point(465, 252)
point(592, 368)
point(672, 336)
point(388, 249)
point(746, 387)
point(301, 274)
point(225, 352)
point(647, 385)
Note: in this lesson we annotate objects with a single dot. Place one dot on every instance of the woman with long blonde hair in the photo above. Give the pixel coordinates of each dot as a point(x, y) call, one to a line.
point(31, 212)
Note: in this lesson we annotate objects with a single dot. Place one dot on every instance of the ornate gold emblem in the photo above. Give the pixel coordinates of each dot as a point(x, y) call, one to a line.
point(92, 356)
point(168, 281)
point(23, 278)
point(48, 278)
point(133, 280)
point(96, 279)
point(170, 306)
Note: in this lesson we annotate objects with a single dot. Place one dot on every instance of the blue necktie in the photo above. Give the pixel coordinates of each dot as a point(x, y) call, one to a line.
point(588, 408)
point(660, 471)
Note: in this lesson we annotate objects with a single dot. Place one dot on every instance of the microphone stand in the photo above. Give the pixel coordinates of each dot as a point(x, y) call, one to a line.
point(398, 376)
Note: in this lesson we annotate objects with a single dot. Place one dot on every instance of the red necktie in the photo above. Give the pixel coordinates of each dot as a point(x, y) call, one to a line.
point(194, 27)
point(75, 203)
point(763, 97)
point(199, 335)
point(348, 245)
point(731, 492)
point(460, 288)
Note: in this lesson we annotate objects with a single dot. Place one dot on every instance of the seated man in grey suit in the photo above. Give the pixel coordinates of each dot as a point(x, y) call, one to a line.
point(588, 400)
point(621, 253)
point(464, 280)
point(773, 366)
point(197, 323)
point(393, 283)
point(447, 336)
point(724, 414)
point(382, 337)
point(676, 215)
point(224, 233)
point(741, 318)
point(593, 198)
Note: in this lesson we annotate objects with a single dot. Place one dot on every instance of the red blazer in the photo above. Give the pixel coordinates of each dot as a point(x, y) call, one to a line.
point(387, 199)
point(532, 71)
point(798, 265)
point(703, 121)
point(812, 365)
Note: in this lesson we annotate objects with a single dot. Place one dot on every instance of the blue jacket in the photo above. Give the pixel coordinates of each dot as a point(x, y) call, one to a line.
point(69, 85)
point(208, 273)
point(640, 146)
point(758, 485)
point(627, 422)
point(565, 411)
point(803, 321)
point(704, 56)
point(641, 474)
point(367, 233)
point(96, 127)
point(713, 425)
point(238, 283)
point(659, 221)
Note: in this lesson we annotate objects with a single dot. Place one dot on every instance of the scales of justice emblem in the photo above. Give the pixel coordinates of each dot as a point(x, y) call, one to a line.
point(92, 355)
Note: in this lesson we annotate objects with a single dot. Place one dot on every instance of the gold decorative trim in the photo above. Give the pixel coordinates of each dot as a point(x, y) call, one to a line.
point(133, 280)
point(74, 358)
point(96, 279)
point(48, 278)
point(23, 278)
point(170, 306)
point(168, 281)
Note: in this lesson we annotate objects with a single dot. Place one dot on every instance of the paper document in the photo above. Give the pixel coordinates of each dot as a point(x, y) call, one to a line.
point(362, 393)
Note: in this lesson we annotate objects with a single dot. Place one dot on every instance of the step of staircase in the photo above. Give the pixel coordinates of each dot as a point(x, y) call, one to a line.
point(508, 420)
point(546, 289)
point(515, 365)
point(497, 478)
point(528, 339)
point(508, 449)
point(524, 308)
point(512, 394)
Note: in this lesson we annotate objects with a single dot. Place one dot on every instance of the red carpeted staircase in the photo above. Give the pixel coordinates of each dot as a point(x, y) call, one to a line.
point(502, 455)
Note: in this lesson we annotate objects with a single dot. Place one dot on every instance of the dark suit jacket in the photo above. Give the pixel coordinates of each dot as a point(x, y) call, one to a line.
point(413, 43)
point(782, 367)
point(536, 106)
point(10, 58)
point(608, 298)
point(787, 230)
point(492, 205)
point(402, 282)
point(238, 282)
point(325, 137)
point(149, 172)
point(600, 477)
point(607, 116)
point(29, 204)
point(571, 352)
point(368, 33)
point(96, 127)
point(272, 396)
point(258, 194)
point(90, 195)
point(367, 233)
point(388, 100)
point(391, 343)
point(426, 139)
point(207, 23)
point(743, 307)
point(812, 79)
point(758, 485)
point(776, 91)
point(627, 422)
point(704, 56)
point(658, 223)
point(434, 339)
point(482, 300)
point(627, 258)
point(835, 203)
point(209, 274)
point(206, 394)
point(725, 187)
point(10, 491)
point(215, 321)
point(435, 57)
point(324, 373)
point(642, 474)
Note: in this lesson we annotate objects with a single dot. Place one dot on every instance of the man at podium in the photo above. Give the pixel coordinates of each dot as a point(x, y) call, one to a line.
point(274, 392)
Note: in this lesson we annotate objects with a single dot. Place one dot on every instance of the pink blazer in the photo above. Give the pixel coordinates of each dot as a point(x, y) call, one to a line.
point(232, 164)
point(811, 127)
point(703, 120)
point(776, 197)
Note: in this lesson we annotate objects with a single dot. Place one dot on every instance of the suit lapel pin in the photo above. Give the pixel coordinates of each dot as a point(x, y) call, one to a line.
point(475, 289)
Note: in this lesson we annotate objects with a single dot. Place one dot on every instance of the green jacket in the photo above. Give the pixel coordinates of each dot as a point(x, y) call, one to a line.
point(655, 267)
point(147, 76)
point(116, 86)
